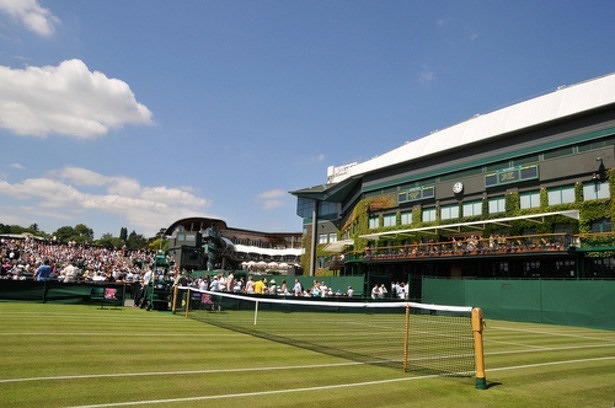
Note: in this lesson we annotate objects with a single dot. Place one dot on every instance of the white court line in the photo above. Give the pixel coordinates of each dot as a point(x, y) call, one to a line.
point(153, 373)
point(510, 343)
point(550, 333)
point(107, 334)
point(584, 346)
point(320, 388)
point(273, 368)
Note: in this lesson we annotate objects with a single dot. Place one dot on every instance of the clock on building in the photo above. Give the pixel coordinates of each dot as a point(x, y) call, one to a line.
point(458, 187)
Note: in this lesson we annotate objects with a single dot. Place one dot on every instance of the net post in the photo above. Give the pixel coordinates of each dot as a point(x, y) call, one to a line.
point(174, 304)
point(255, 312)
point(406, 337)
point(479, 355)
point(188, 297)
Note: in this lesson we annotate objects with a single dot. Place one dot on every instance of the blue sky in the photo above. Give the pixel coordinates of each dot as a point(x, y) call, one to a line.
point(138, 113)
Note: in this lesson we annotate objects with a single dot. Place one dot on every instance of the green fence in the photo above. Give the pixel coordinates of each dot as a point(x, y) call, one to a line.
point(104, 293)
point(584, 303)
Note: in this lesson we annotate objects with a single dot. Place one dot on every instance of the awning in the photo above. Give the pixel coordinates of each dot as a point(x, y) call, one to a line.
point(477, 225)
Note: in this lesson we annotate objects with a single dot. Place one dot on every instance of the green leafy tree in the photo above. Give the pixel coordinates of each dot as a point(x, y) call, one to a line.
point(124, 234)
point(64, 233)
point(157, 244)
point(136, 241)
point(110, 242)
point(84, 233)
point(80, 233)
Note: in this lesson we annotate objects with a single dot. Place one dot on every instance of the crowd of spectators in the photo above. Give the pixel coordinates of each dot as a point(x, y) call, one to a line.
point(472, 245)
point(27, 258)
point(33, 259)
point(263, 286)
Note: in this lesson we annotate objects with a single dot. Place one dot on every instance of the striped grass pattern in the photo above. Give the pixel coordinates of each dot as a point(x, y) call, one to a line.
point(84, 356)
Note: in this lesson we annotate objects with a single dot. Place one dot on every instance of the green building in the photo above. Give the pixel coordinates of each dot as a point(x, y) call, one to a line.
point(520, 192)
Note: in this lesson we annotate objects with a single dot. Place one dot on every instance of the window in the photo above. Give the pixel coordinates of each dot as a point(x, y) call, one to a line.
point(562, 151)
point(497, 205)
point(389, 220)
point(511, 175)
point(596, 190)
point(332, 237)
point(373, 222)
point(448, 212)
point(429, 214)
point(472, 208)
point(561, 195)
point(406, 217)
point(416, 193)
point(530, 199)
point(305, 207)
point(602, 225)
point(322, 238)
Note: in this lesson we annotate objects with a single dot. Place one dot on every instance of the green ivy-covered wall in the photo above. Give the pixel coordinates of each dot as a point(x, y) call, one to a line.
point(590, 211)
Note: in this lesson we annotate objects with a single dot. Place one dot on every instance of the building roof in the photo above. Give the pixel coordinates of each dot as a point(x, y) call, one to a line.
point(565, 101)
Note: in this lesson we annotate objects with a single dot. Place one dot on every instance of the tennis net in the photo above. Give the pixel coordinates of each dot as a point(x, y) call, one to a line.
point(413, 336)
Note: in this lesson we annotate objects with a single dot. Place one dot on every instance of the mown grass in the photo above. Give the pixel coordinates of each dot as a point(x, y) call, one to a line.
point(73, 355)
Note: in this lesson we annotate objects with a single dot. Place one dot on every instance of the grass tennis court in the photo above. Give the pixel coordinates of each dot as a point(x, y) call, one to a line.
point(73, 355)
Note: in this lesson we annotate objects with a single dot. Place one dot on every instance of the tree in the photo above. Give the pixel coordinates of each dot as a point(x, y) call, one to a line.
point(64, 233)
point(135, 241)
point(124, 234)
point(84, 232)
point(80, 233)
point(110, 242)
point(157, 244)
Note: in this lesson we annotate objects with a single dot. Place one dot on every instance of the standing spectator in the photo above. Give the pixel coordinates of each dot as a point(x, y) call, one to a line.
point(70, 273)
point(221, 283)
point(259, 286)
point(297, 288)
point(250, 285)
point(284, 288)
point(43, 272)
point(382, 291)
point(273, 288)
point(375, 291)
point(230, 282)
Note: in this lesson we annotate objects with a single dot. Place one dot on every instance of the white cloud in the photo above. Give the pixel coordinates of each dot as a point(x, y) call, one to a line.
point(64, 195)
point(425, 75)
point(36, 18)
point(17, 166)
point(272, 199)
point(319, 157)
point(66, 99)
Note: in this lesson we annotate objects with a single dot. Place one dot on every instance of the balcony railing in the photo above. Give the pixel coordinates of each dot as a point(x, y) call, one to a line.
point(470, 246)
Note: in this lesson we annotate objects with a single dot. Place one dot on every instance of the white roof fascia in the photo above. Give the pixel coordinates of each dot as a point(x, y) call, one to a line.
point(565, 101)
